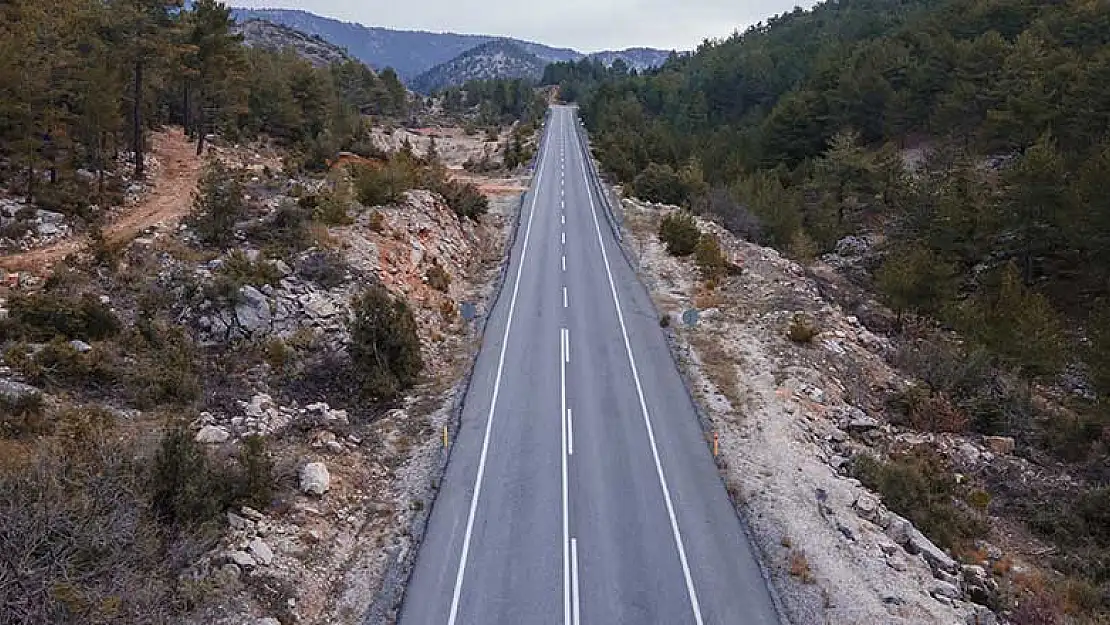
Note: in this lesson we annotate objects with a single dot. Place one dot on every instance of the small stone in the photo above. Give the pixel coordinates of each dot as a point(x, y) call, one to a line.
point(80, 347)
point(897, 562)
point(1001, 445)
point(334, 447)
point(315, 479)
point(866, 506)
point(945, 590)
point(899, 530)
point(228, 573)
point(242, 559)
point(251, 513)
point(212, 434)
point(863, 423)
point(261, 551)
point(269, 620)
point(237, 522)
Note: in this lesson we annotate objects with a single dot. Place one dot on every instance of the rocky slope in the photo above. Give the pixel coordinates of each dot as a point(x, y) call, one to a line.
point(270, 36)
point(500, 58)
point(791, 419)
point(412, 53)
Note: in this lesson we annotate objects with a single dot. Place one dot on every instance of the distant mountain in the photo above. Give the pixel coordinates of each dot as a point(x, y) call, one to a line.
point(500, 58)
point(412, 53)
point(270, 36)
point(636, 58)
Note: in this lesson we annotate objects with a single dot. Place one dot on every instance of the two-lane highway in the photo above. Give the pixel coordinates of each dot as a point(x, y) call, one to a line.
point(580, 489)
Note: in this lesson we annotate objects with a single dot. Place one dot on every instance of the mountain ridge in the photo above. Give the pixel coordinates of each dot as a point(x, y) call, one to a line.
point(413, 52)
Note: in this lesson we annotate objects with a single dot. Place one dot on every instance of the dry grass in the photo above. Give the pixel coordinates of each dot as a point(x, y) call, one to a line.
point(179, 251)
point(719, 366)
point(799, 567)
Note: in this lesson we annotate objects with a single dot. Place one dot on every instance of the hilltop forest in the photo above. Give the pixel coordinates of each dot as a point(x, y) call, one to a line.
point(82, 81)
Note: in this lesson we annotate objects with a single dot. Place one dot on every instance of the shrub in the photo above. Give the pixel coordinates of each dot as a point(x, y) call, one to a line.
point(679, 232)
point(256, 480)
point(803, 329)
point(377, 221)
point(43, 316)
point(937, 414)
point(920, 487)
point(664, 320)
point(287, 231)
point(165, 371)
point(379, 185)
point(326, 268)
point(710, 259)
point(241, 271)
point(185, 490)
point(464, 198)
point(331, 207)
point(662, 184)
point(438, 278)
point(217, 205)
point(385, 347)
point(21, 414)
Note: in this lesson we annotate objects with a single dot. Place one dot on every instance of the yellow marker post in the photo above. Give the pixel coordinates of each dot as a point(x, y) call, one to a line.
point(715, 444)
point(445, 437)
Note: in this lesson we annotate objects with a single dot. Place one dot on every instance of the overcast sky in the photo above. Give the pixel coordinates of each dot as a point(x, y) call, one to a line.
point(586, 25)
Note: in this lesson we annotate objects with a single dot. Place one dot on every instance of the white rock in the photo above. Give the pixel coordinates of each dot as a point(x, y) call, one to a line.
point(315, 479)
point(945, 590)
point(80, 346)
point(261, 551)
point(251, 513)
point(269, 620)
point(242, 559)
point(237, 522)
point(212, 434)
point(935, 556)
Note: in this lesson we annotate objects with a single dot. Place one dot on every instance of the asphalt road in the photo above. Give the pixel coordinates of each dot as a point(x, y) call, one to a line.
point(581, 489)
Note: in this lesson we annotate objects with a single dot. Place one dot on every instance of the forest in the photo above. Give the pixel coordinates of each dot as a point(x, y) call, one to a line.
point(83, 81)
point(959, 150)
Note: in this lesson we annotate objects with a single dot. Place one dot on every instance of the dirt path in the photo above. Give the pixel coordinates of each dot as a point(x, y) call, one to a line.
point(167, 202)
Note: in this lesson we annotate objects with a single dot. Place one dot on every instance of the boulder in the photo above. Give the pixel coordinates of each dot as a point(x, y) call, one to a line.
point(867, 507)
point(899, 529)
point(862, 423)
point(16, 393)
point(242, 559)
point(236, 522)
point(315, 479)
point(935, 556)
point(1001, 445)
point(253, 311)
point(945, 590)
point(212, 434)
point(261, 551)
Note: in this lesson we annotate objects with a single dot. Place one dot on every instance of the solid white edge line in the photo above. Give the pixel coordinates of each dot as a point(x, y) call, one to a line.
point(563, 462)
point(574, 577)
point(493, 405)
point(643, 408)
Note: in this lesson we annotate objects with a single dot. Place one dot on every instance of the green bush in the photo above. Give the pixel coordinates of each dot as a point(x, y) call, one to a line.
point(241, 271)
point(662, 184)
point(44, 316)
point(256, 480)
point(217, 205)
point(679, 232)
point(921, 487)
point(187, 490)
point(380, 185)
point(710, 259)
point(385, 347)
point(464, 198)
point(21, 414)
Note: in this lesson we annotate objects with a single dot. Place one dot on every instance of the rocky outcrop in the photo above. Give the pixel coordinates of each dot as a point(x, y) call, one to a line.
point(315, 479)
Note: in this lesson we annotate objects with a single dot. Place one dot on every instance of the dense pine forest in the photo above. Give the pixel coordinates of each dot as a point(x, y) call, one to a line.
point(960, 151)
point(83, 81)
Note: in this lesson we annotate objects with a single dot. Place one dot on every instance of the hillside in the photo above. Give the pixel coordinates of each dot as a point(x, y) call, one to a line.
point(410, 53)
point(496, 59)
point(639, 59)
point(275, 37)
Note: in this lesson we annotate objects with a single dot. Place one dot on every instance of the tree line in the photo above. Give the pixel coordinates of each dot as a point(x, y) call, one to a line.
point(83, 81)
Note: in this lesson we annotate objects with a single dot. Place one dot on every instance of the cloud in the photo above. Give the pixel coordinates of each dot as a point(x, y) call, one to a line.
point(586, 25)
